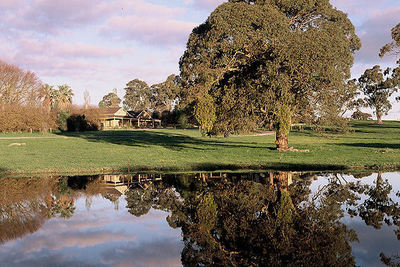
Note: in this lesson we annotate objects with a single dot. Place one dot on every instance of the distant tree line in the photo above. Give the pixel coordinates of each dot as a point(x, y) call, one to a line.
point(161, 99)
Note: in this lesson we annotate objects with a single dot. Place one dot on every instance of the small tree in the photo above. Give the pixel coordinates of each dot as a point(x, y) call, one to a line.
point(378, 86)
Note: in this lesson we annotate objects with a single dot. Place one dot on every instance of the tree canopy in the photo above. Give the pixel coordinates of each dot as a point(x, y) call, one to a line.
point(110, 100)
point(167, 93)
point(137, 95)
point(254, 62)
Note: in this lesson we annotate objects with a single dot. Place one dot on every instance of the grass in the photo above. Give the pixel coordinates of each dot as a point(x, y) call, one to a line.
point(370, 146)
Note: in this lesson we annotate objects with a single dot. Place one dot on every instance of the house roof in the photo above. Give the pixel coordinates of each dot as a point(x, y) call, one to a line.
point(143, 114)
point(109, 111)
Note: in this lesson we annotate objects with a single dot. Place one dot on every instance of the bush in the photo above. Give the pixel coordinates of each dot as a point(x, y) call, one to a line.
point(183, 120)
point(79, 123)
point(83, 120)
point(62, 117)
point(359, 115)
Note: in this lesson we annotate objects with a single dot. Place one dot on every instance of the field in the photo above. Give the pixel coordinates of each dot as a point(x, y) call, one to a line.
point(369, 146)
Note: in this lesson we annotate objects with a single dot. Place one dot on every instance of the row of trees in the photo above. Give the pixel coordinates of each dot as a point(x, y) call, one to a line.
point(139, 95)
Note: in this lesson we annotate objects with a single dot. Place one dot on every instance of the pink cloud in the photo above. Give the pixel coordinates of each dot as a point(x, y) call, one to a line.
point(73, 239)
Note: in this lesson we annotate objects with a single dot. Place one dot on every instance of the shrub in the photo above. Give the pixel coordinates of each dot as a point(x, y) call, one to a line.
point(62, 117)
point(359, 115)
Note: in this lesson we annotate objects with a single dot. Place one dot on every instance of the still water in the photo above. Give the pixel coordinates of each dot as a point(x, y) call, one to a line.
point(242, 219)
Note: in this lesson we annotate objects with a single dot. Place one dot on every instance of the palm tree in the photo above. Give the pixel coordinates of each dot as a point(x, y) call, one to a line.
point(49, 96)
point(64, 96)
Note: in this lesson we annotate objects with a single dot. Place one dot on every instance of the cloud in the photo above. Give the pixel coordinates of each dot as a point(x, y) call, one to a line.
point(149, 29)
point(52, 16)
point(75, 239)
point(374, 33)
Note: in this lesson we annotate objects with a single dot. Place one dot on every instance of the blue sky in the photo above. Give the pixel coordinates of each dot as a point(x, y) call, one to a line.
point(98, 45)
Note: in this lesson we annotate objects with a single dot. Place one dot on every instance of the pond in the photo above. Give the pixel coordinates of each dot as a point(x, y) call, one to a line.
point(260, 219)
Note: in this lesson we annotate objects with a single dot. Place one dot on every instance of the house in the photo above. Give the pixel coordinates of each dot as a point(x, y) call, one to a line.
point(119, 118)
point(114, 118)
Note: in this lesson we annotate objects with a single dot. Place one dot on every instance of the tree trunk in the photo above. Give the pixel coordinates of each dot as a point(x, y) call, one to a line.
point(379, 117)
point(282, 140)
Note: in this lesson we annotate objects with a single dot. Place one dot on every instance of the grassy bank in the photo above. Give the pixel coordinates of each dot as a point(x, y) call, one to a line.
point(370, 146)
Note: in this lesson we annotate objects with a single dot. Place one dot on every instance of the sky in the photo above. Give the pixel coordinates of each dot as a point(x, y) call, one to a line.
point(99, 45)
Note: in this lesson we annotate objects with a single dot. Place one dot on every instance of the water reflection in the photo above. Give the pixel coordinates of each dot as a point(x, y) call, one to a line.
point(201, 219)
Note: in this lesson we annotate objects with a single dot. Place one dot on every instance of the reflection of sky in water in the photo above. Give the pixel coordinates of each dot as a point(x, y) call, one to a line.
point(371, 241)
point(100, 236)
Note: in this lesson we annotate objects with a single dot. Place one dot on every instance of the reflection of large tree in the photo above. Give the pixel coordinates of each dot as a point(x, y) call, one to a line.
point(245, 222)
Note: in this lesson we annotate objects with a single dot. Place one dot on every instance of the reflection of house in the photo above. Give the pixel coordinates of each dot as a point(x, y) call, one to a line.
point(117, 118)
point(119, 184)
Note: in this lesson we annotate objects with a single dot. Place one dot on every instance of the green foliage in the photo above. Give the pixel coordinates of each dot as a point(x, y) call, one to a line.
point(79, 123)
point(204, 113)
point(166, 94)
point(137, 95)
point(183, 120)
point(249, 56)
point(359, 115)
point(110, 100)
point(62, 117)
point(206, 212)
point(285, 213)
point(284, 118)
point(378, 86)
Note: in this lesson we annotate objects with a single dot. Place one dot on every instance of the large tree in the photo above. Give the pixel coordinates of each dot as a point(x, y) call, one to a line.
point(378, 86)
point(137, 95)
point(259, 61)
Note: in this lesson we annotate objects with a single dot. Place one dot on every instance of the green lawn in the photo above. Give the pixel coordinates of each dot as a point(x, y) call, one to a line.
point(370, 146)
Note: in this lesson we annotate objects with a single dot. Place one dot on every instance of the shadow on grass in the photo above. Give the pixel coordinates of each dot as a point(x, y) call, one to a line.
point(372, 145)
point(173, 141)
point(235, 167)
